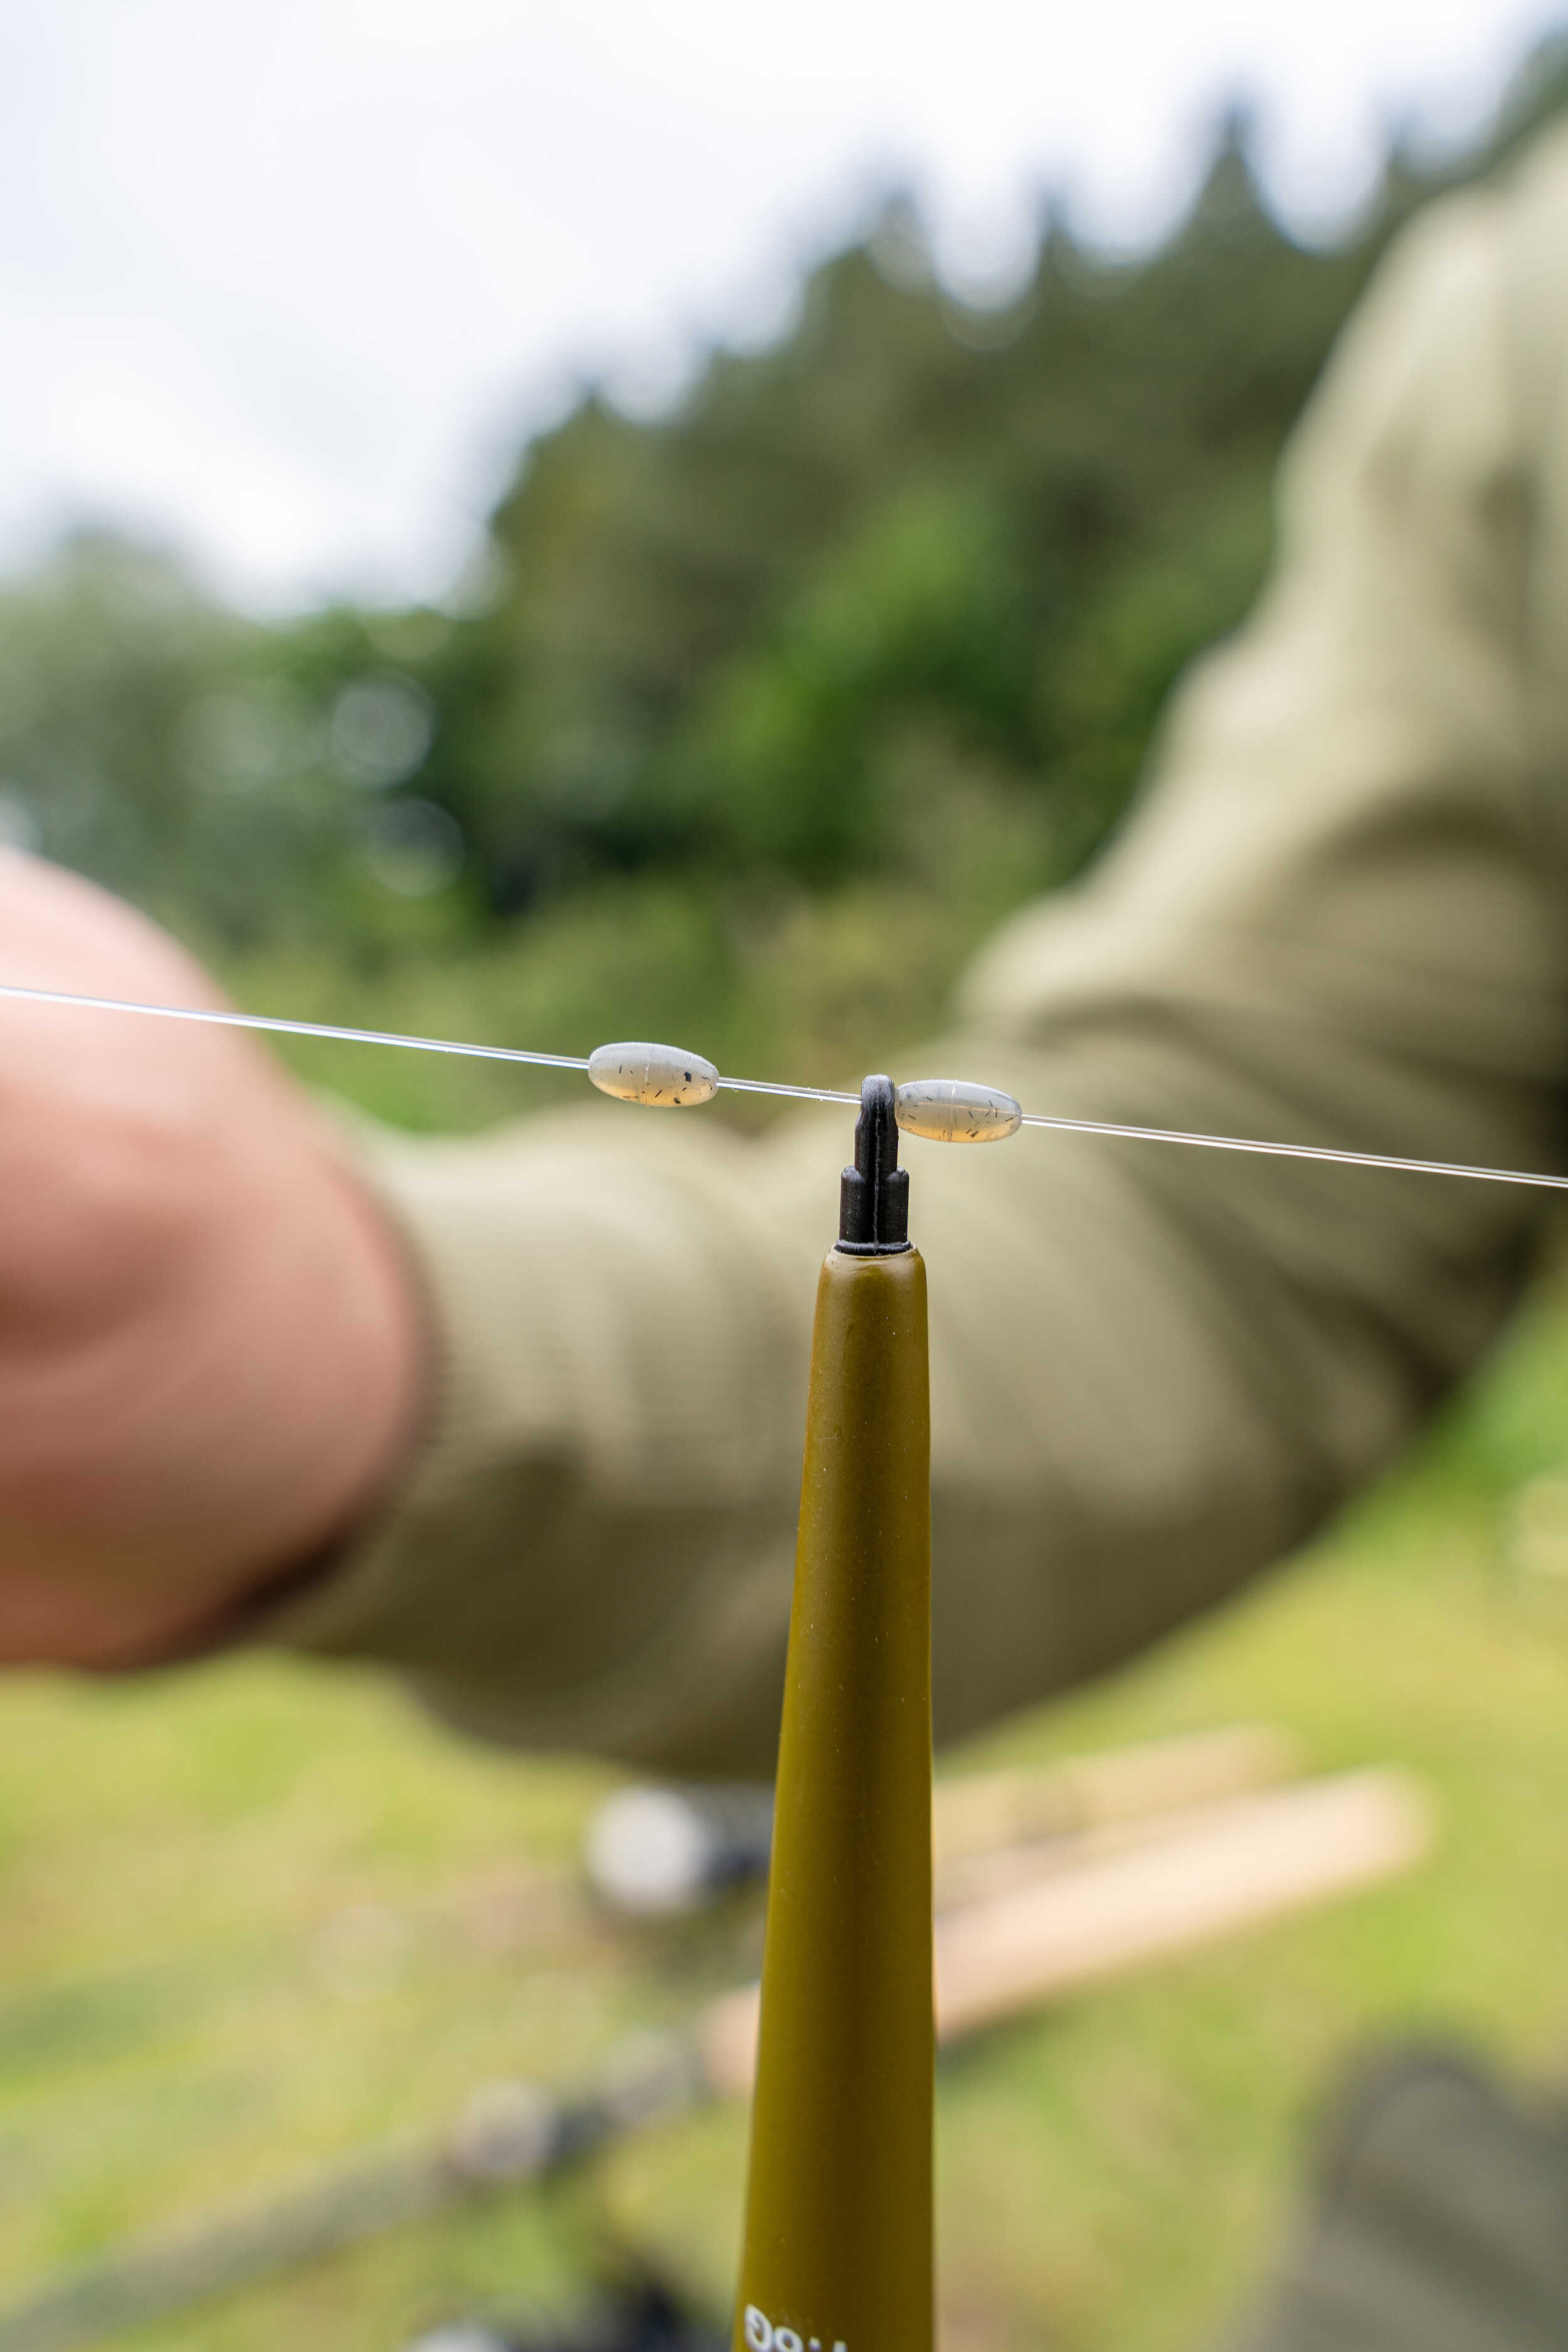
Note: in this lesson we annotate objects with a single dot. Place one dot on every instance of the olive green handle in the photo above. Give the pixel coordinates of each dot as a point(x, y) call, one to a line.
point(838, 2212)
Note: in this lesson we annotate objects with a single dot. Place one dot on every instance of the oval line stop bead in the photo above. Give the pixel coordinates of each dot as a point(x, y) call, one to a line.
point(660, 1074)
point(954, 1110)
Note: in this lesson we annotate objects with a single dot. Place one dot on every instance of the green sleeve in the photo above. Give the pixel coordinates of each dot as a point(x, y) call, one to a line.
point(1337, 915)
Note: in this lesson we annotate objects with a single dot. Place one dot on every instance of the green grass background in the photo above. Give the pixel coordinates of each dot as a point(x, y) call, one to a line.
point(257, 1915)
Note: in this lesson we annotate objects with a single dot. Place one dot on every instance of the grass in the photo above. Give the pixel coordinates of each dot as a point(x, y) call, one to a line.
point(257, 1915)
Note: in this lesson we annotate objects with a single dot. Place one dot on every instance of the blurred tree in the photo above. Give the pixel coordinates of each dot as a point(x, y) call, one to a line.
point(724, 637)
point(239, 780)
point(889, 606)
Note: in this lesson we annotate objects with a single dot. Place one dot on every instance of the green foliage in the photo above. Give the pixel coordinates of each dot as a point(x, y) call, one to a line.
point(222, 774)
point(878, 619)
point(791, 759)
point(725, 640)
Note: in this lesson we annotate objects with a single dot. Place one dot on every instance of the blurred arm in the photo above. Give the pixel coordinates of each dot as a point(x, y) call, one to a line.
point(1338, 916)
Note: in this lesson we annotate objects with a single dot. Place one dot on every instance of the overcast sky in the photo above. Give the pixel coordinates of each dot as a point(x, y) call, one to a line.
point(283, 279)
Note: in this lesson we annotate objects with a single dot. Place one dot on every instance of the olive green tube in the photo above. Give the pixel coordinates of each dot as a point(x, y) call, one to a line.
point(838, 2212)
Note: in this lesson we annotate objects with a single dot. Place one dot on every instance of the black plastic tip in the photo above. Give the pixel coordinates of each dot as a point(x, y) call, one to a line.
point(874, 1195)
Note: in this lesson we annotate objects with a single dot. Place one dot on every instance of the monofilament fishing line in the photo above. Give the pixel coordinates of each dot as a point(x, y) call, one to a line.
point(919, 1098)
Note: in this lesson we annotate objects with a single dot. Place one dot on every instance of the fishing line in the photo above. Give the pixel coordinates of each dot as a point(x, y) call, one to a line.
point(1297, 1151)
point(1117, 1128)
point(292, 1028)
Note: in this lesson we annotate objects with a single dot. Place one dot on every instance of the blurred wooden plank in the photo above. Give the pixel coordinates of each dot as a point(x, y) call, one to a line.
point(1214, 1870)
point(982, 1812)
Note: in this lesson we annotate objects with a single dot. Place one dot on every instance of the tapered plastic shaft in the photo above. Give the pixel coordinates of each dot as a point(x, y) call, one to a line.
point(838, 2248)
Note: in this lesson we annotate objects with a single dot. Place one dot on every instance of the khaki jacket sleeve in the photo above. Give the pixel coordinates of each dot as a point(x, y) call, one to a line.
point(1337, 915)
